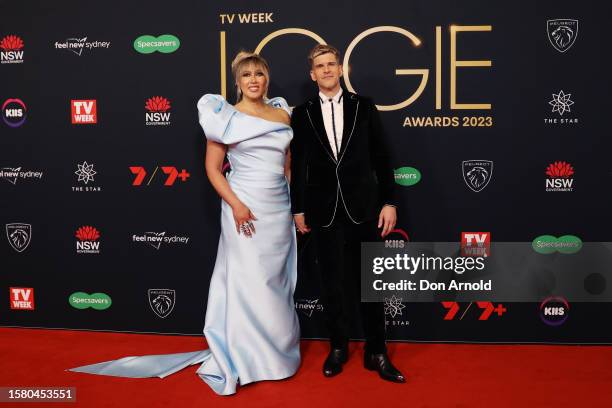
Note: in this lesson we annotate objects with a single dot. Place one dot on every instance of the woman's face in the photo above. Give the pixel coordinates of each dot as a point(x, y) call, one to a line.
point(253, 82)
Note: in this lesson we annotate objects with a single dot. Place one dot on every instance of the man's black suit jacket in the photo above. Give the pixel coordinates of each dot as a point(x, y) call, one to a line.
point(361, 180)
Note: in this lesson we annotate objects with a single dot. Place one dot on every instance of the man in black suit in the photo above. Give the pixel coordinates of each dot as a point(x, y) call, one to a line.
point(342, 189)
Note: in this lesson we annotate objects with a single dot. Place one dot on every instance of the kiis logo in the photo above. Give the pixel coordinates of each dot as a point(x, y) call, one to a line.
point(12, 52)
point(83, 111)
point(170, 171)
point(157, 111)
point(22, 298)
point(87, 240)
point(559, 177)
point(554, 311)
point(147, 44)
point(476, 244)
point(14, 112)
point(397, 238)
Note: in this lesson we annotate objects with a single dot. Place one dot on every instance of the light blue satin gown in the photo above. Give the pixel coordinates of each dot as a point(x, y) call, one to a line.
point(251, 325)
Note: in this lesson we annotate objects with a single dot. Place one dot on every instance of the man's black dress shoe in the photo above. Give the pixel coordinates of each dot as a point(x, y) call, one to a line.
point(382, 364)
point(333, 363)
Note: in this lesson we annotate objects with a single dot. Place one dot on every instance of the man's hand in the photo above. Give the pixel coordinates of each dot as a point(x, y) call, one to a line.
point(300, 223)
point(387, 219)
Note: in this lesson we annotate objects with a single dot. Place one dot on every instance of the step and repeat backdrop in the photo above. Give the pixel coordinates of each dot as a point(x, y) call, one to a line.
point(497, 114)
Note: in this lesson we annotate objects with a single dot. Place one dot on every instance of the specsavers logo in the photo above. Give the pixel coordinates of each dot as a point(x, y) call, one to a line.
point(548, 244)
point(166, 43)
point(407, 176)
point(82, 300)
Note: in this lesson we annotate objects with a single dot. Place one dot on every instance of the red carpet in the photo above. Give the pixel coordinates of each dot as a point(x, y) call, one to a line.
point(439, 375)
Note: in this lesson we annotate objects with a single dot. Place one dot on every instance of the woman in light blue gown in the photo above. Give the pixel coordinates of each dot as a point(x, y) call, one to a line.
point(251, 325)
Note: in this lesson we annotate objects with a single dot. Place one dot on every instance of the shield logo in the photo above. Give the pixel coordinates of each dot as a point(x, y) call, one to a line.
point(477, 173)
point(162, 301)
point(19, 235)
point(562, 33)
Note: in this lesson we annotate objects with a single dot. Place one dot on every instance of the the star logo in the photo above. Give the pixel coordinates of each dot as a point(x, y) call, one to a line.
point(561, 102)
point(85, 172)
point(394, 306)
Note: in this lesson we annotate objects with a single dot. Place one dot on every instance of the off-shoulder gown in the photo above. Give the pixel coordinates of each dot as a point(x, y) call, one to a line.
point(251, 326)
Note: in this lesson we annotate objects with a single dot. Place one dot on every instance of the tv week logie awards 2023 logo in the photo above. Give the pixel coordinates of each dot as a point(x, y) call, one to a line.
point(444, 106)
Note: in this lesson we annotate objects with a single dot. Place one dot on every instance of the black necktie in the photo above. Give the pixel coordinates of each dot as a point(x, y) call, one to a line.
point(334, 127)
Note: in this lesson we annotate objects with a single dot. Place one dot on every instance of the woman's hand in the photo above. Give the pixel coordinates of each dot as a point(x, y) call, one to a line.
point(243, 217)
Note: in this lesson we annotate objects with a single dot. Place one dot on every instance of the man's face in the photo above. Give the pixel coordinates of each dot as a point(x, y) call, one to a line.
point(326, 71)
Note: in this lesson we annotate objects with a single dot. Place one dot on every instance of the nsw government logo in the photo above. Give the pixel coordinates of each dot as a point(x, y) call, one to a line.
point(393, 309)
point(14, 112)
point(87, 240)
point(19, 235)
point(157, 111)
point(12, 50)
point(562, 33)
point(477, 173)
point(559, 177)
point(162, 301)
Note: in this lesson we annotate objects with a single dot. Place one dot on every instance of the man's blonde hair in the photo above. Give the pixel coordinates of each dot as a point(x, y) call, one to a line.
point(321, 49)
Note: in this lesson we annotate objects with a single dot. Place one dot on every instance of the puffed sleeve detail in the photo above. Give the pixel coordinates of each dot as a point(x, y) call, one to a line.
point(281, 103)
point(215, 117)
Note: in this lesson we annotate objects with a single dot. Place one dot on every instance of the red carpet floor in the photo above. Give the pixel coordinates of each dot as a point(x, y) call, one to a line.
point(439, 375)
